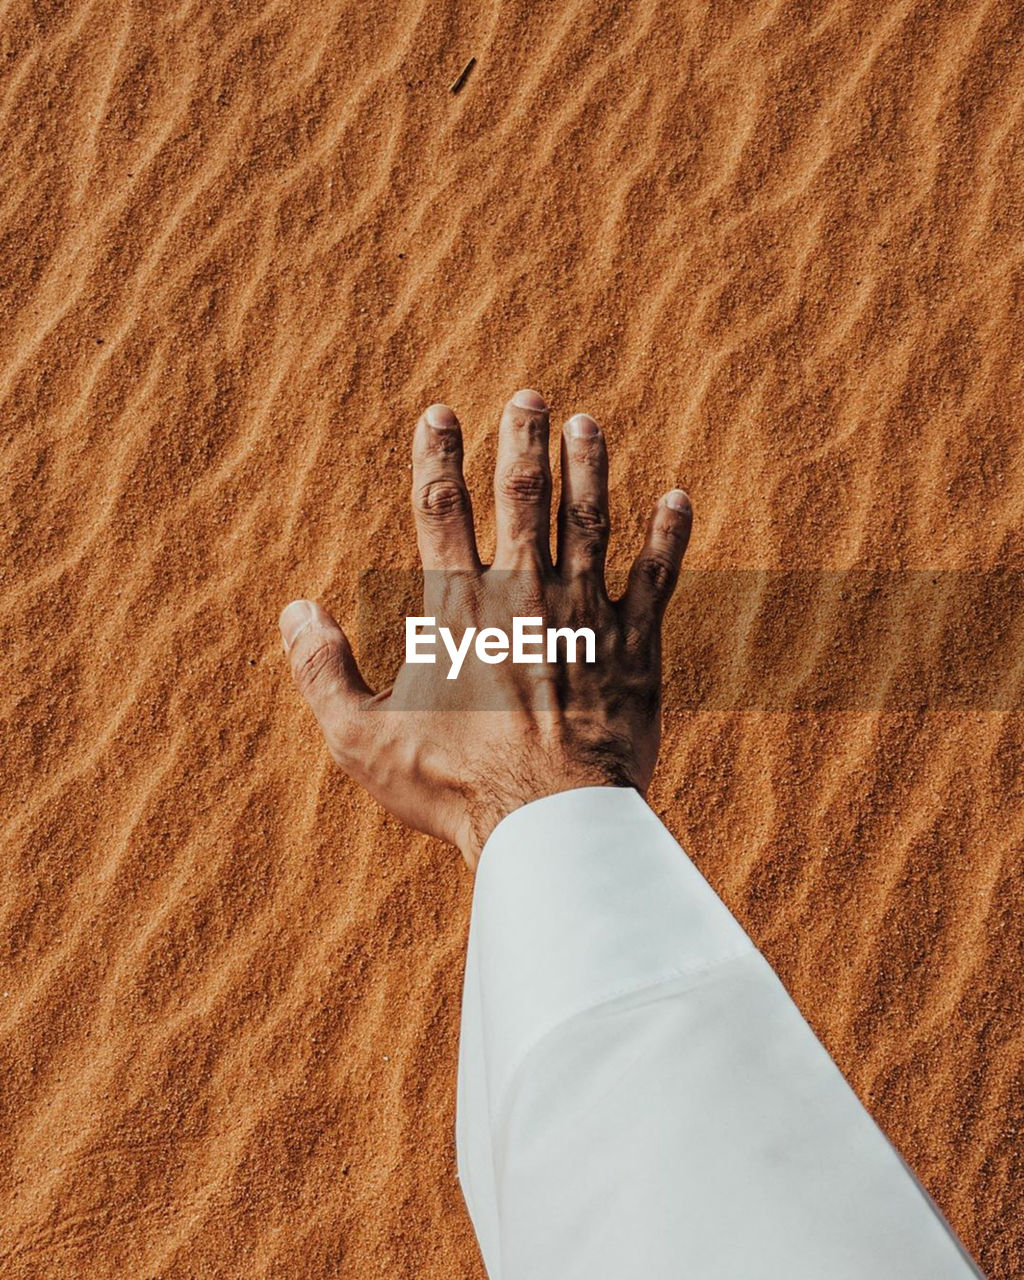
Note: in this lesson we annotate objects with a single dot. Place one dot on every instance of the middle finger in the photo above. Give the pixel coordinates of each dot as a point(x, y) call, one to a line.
point(522, 485)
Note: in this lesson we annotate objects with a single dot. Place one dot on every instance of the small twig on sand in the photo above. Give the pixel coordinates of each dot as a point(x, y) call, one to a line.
point(463, 75)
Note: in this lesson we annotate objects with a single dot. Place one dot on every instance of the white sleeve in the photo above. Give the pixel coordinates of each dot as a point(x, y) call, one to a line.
point(638, 1095)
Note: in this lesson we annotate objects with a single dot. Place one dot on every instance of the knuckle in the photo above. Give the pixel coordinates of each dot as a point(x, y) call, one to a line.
point(587, 518)
point(523, 483)
point(441, 500)
point(674, 528)
point(657, 571)
point(530, 596)
point(314, 668)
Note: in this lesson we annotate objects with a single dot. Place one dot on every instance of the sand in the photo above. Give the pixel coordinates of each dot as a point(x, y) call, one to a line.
point(776, 250)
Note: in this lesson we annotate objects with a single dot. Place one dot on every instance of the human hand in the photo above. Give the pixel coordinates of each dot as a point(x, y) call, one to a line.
point(452, 758)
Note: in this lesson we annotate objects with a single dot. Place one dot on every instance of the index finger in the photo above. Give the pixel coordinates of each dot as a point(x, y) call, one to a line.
point(522, 485)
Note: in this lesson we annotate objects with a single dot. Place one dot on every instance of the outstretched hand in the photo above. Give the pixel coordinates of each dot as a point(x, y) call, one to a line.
point(454, 761)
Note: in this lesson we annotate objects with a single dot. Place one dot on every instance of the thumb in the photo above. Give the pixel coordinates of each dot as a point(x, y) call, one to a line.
point(322, 664)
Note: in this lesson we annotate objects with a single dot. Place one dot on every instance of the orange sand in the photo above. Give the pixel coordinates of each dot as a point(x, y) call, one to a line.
point(776, 248)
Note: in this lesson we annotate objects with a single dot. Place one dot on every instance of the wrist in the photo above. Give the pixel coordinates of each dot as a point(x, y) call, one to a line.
point(502, 800)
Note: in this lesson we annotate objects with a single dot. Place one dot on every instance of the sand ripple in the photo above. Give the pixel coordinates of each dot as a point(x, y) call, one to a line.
point(777, 250)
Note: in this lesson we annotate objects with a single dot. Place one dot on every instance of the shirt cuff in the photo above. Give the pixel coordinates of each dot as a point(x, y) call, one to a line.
point(580, 898)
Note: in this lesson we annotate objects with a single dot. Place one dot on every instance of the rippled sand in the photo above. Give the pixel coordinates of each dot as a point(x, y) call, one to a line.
point(776, 249)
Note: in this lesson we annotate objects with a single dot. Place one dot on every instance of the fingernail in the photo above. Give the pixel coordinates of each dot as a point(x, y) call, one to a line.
point(677, 500)
point(527, 399)
point(440, 417)
point(583, 427)
point(295, 617)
